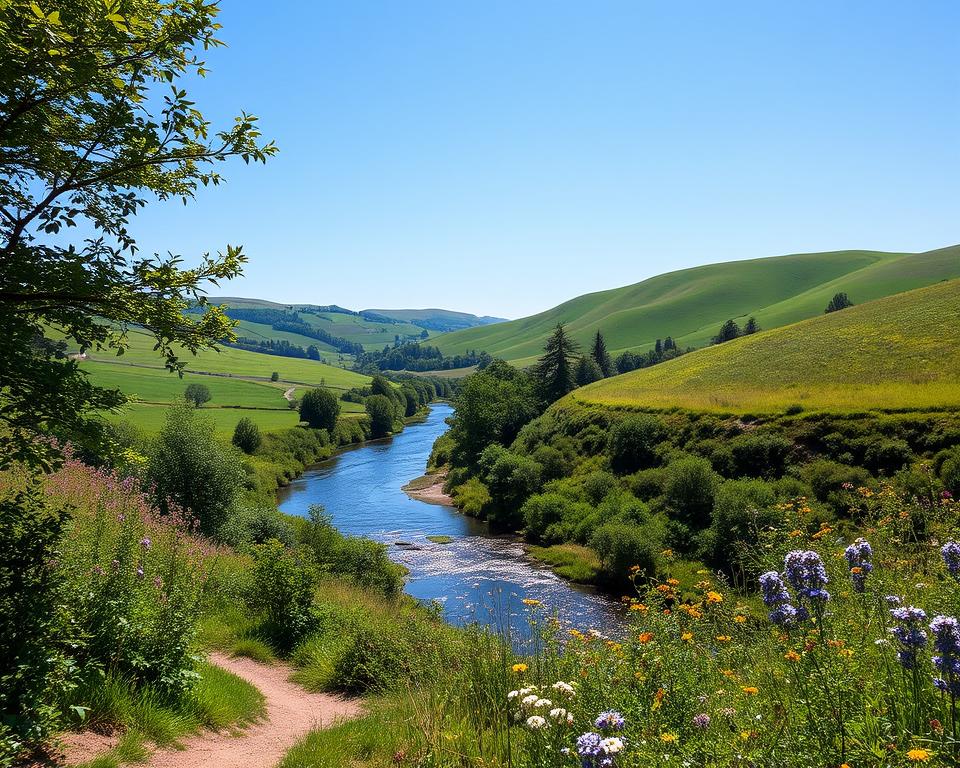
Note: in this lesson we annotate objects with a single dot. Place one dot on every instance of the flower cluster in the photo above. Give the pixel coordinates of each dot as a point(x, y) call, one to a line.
point(946, 641)
point(598, 750)
point(951, 558)
point(858, 557)
point(777, 599)
point(538, 712)
point(909, 633)
point(807, 575)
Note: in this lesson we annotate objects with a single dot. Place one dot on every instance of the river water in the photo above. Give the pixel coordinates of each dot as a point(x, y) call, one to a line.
point(477, 577)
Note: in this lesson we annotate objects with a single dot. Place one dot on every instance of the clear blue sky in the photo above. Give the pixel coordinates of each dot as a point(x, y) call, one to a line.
point(501, 157)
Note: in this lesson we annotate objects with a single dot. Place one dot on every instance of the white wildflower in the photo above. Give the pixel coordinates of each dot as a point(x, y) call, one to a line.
point(536, 723)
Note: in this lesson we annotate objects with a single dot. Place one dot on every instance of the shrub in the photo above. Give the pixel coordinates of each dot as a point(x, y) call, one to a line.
point(826, 479)
point(760, 454)
point(246, 435)
point(511, 479)
point(381, 413)
point(198, 394)
point(281, 590)
point(275, 376)
point(249, 525)
point(542, 515)
point(192, 470)
point(689, 491)
point(34, 672)
point(743, 508)
point(887, 456)
point(633, 443)
point(597, 485)
point(320, 408)
point(553, 463)
point(473, 498)
point(620, 547)
point(647, 484)
point(950, 473)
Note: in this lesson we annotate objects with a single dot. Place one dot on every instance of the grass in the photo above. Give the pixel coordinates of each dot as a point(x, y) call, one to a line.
point(219, 700)
point(150, 418)
point(440, 539)
point(691, 304)
point(570, 561)
point(900, 352)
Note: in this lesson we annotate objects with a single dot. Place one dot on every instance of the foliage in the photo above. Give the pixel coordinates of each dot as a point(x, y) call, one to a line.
point(586, 372)
point(838, 302)
point(728, 331)
point(198, 394)
point(246, 435)
point(380, 409)
point(634, 441)
point(191, 470)
point(320, 408)
point(600, 355)
point(35, 671)
point(623, 548)
point(87, 137)
point(554, 370)
point(281, 588)
point(689, 491)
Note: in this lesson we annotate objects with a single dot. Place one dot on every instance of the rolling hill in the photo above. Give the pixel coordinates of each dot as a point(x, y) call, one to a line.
point(898, 352)
point(691, 304)
point(440, 320)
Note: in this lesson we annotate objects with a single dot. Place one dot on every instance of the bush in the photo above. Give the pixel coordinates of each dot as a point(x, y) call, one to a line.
point(275, 376)
point(949, 473)
point(192, 470)
point(473, 498)
point(544, 513)
point(34, 672)
point(281, 588)
point(510, 479)
point(887, 456)
point(246, 435)
point(633, 443)
point(760, 454)
point(320, 409)
point(198, 394)
point(621, 547)
point(689, 491)
point(381, 413)
point(743, 508)
point(248, 525)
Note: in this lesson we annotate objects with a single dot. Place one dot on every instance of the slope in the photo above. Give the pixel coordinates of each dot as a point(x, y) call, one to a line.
point(898, 352)
point(690, 304)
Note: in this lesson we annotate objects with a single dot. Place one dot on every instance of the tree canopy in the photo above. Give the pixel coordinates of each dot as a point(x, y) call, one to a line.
point(600, 355)
point(93, 124)
point(839, 301)
point(555, 369)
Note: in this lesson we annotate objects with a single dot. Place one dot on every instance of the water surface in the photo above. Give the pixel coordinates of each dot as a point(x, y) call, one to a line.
point(478, 576)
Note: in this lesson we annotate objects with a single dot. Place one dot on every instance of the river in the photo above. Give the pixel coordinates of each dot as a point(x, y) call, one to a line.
point(478, 576)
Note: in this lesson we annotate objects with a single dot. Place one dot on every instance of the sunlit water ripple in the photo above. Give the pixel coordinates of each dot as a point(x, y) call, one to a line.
point(478, 577)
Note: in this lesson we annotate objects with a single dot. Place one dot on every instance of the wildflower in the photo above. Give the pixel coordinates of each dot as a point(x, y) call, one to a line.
point(639, 607)
point(950, 552)
point(893, 601)
point(739, 619)
point(645, 637)
point(728, 711)
point(750, 690)
point(918, 755)
point(611, 720)
point(512, 695)
point(519, 668)
point(791, 656)
point(611, 745)
point(777, 599)
point(909, 634)
point(946, 640)
point(542, 704)
point(723, 638)
point(139, 571)
point(858, 557)
point(728, 673)
point(805, 571)
point(528, 701)
point(531, 602)
point(588, 747)
point(714, 597)
point(560, 715)
point(701, 721)
point(145, 543)
point(536, 723)
point(564, 689)
point(687, 637)
point(669, 738)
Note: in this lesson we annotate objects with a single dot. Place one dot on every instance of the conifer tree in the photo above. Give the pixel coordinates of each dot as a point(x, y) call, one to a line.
point(838, 302)
point(658, 348)
point(728, 331)
point(751, 326)
point(600, 355)
point(554, 370)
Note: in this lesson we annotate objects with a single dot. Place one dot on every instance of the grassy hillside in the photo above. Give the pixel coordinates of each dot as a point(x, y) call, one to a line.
point(690, 304)
point(898, 352)
point(239, 383)
point(438, 319)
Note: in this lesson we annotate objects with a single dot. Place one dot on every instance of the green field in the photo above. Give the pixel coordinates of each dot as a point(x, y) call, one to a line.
point(691, 304)
point(899, 352)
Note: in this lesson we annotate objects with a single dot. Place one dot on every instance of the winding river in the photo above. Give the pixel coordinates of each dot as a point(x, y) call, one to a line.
point(476, 577)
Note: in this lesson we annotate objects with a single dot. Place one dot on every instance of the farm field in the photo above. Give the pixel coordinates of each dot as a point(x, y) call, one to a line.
point(893, 353)
point(691, 304)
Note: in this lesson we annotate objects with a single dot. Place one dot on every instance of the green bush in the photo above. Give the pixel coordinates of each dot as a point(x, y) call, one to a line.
point(742, 510)
point(246, 435)
point(689, 491)
point(281, 588)
point(545, 513)
point(320, 408)
point(510, 479)
point(887, 456)
point(35, 671)
point(473, 498)
point(647, 484)
point(760, 454)
point(381, 413)
point(190, 469)
point(620, 547)
point(633, 443)
point(252, 524)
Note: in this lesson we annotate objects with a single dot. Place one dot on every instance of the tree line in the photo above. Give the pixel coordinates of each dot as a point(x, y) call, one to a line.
point(413, 356)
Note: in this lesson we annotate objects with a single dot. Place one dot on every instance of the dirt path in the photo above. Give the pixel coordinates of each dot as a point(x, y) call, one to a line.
point(289, 394)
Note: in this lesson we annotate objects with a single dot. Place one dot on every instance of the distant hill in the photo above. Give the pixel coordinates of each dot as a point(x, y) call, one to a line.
point(440, 320)
point(691, 304)
point(898, 352)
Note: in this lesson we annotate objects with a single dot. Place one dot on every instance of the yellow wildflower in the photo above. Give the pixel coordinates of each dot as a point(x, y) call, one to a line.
point(791, 656)
point(750, 690)
point(714, 597)
point(645, 637)
point(723, 638)
point(519, 668)
point(687, 637)
point(530, 601)
point(669, 738)
point(740, 619)
point(918, 755)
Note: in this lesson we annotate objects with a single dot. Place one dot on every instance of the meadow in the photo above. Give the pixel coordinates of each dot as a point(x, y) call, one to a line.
point(690, 305)
point(895, 353)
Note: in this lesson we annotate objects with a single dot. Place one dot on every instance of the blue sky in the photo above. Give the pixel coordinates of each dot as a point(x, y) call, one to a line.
point(501, 157)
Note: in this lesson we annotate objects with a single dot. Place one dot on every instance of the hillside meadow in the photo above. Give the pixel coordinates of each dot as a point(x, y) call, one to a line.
point(895, 353)
point(690, 305)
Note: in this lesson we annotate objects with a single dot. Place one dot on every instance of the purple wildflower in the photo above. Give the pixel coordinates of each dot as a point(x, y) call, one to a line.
point(777, 599)
point(946, 641)
point(611, 720)
point(145, 543)
point(909, 634)
point(701, 721)
point(858, 557)
point(807, 575)
point(951, 558)
point(139, 571)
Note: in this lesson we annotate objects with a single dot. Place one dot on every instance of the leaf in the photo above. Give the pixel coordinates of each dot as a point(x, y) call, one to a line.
point(115, 18)
point(36, 11)
point(118, 83)
point(54, 18)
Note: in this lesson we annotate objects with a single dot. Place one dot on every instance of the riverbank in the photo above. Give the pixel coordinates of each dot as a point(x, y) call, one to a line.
point(429, 488)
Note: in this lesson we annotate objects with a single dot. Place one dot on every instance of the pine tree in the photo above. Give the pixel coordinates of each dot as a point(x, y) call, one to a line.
point(554, 370)
point(728, 331)
point(600, 355)
point(669, 344)
point(751, 326)
point(658, 348)
point(838, 302)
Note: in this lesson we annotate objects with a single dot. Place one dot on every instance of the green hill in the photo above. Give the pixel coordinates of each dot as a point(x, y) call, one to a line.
point(899, 352)
point(690, 304)
point(440, 320)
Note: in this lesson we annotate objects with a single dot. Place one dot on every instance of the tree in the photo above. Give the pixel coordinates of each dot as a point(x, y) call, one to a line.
point(554, 370)
point(600, 355)
point(313, 352)
point(751, 327)
point(275, 376)
point(246, 435)
point(633, 442)
point(728, 331)
point(587, 371)
point(838, 302)
point(320, 409)
point(196, 393)
point(86, 139)
point(192, 470)
point(380, 410)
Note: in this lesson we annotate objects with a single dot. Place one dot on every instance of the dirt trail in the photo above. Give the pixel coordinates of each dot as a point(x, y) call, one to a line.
point(291, 713)
point(289, 393)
